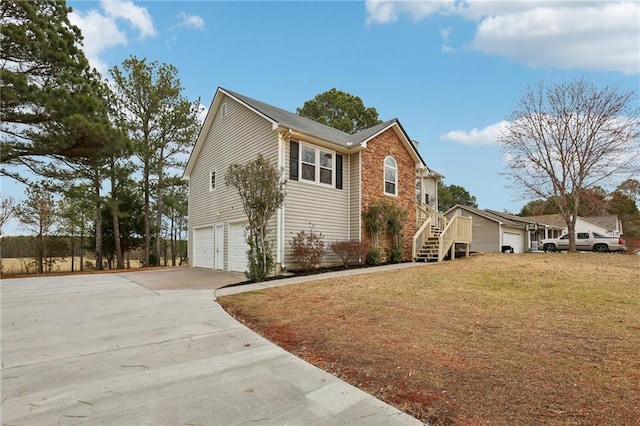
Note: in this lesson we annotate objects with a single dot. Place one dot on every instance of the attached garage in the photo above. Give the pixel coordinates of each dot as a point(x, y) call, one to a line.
point(514, 240)
point(238, 247)
point(203, 247)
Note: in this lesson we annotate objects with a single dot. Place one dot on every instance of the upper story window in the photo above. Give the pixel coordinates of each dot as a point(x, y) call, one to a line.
point(390, 176)
point(317, 165)
point(212, 179)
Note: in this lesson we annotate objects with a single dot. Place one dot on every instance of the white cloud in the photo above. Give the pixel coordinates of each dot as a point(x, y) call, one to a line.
point(191, 21)
point(564, 34)
point(137, 16)
point(446, 46)
point(99, 33)
point(202, 113)
point(382, 12)
point(601, 37)
point(100, 29)
point(487, 136)
point(447, 49)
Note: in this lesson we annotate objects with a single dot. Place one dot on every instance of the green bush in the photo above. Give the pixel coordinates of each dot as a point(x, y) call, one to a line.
point(374, 257)
point(394, 254)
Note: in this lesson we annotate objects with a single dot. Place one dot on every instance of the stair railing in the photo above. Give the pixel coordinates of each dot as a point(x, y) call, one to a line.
point(458, 230)
point(438, 220)
point(421, 236)
point(421, 216)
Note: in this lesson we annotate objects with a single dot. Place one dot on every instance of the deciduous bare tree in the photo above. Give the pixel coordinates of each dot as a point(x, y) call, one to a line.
point(38, 213)
point(565, 138)
point(262, 191)
point(7, 211)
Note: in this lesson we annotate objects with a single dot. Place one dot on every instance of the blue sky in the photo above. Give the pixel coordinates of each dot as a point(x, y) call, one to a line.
point(451, 71)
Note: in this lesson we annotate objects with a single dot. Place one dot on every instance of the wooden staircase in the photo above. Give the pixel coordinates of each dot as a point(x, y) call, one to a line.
point(436, 236)
point(430, 250)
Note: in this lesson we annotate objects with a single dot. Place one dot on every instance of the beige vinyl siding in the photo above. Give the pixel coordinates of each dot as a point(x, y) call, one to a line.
point(324, 207)
point(485, 232)
point(431, 187)
point(354, 196)
point(236, 138)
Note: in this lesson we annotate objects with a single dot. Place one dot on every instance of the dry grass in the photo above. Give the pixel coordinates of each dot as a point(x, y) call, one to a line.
point(495, 339)
point(26, 265)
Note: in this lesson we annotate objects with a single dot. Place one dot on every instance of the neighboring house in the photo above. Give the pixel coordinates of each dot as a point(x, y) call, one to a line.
point(332, 177)
point(491, 232)
point(535, 229)
point(610, 223)
point(606, 225)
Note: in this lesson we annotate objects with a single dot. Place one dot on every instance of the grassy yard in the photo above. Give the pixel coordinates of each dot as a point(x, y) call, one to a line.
point(494, 339)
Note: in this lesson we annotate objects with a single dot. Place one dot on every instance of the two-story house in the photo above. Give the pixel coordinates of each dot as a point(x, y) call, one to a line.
point(332, 177)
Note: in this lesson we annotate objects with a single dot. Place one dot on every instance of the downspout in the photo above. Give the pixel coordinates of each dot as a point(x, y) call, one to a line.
point(360, 196)
point(348, 193)
point(280, 212)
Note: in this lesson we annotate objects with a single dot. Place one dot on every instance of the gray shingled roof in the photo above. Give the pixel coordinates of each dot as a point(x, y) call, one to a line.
point(554, 220)
point(294, 121)
point(509, 216)
point(610, 222)
point(492, 216)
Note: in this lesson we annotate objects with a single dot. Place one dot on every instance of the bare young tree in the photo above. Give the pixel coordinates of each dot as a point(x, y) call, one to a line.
point(39, 214)
point(262, 191)
point(568, 137)
point(7, 211)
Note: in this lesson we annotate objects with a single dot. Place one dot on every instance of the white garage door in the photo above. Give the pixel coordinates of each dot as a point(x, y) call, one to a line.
point(238, 247)
point(203, 247)
point(513, 240)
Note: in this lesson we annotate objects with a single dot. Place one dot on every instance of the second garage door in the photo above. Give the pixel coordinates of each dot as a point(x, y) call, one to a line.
point(513, 240)
point(238, 247)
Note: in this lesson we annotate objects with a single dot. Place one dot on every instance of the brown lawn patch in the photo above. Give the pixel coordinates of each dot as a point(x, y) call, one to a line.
point(495, 339)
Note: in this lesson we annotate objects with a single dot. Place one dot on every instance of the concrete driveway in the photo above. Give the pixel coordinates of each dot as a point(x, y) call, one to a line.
point(102, 350)
point(183, 278)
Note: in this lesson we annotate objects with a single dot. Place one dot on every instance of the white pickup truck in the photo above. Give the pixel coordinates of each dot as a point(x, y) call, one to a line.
point(585, 241)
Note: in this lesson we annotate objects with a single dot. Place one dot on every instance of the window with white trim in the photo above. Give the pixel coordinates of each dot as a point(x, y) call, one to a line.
point(212, 180)
point(317, 164)
point(390, 176)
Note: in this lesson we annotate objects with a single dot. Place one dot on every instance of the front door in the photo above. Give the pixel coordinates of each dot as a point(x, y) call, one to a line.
point(219, 247)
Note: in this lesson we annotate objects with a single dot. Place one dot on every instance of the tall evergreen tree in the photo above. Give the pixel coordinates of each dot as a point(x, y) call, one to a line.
point(50, 98)
point(162, 124)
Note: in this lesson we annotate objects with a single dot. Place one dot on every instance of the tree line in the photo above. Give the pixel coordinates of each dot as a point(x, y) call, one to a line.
point(107, 154)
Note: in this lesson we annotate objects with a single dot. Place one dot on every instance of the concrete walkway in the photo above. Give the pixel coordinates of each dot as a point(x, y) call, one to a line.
point(236, 289)
point(102, 350)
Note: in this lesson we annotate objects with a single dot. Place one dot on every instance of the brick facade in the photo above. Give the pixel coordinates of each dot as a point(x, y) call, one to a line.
point(373, 156)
